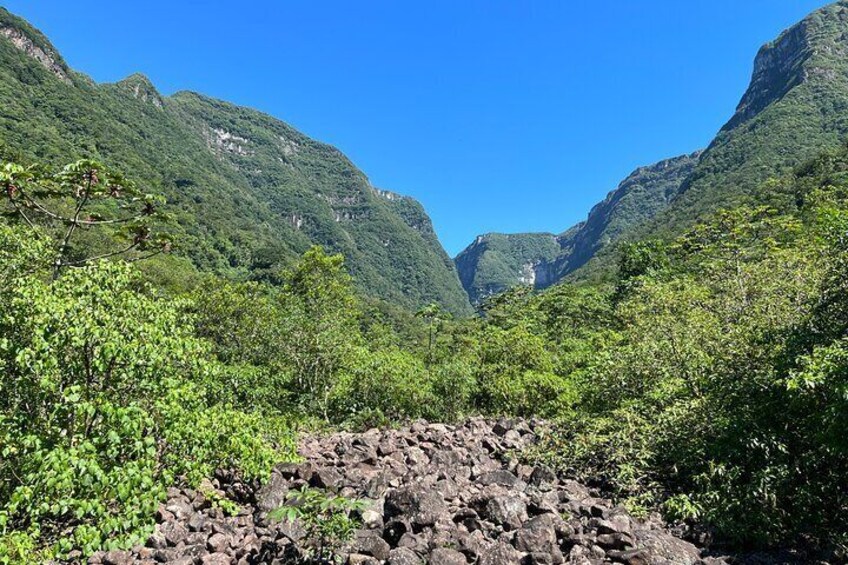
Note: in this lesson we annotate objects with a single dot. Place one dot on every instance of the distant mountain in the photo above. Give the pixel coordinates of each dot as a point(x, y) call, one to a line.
point(495, 262)
point(795, 106)
point(248, 192)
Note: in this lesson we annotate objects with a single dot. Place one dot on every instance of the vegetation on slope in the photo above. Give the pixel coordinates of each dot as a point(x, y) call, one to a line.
point(247, 193)
point(495, 262)
point(707, 380)
point(794, 107)
point(714, 384)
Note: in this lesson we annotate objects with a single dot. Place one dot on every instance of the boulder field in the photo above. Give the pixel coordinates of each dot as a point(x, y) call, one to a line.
point(433, 493)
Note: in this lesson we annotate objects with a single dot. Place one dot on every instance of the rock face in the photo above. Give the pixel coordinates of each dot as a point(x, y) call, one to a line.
point(45, 56)
point(496, 262)
point(435, 494)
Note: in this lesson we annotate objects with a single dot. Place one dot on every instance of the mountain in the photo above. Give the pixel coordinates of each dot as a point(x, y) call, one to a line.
point(248, 192)
point(795, 106)
point(495, 262)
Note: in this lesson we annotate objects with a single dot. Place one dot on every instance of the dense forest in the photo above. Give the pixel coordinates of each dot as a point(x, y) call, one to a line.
point(197, 294)
point(706, 378)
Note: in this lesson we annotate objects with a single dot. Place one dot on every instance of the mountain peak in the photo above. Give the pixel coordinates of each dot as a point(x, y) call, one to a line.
point(804, 52)
point(141, 88)
point(33, 43)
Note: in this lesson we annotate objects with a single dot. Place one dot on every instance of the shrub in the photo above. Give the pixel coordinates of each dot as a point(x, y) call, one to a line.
point(329, 522)
point(104, 404)
point(382, 386)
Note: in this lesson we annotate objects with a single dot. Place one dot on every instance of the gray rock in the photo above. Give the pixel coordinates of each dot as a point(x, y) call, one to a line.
point(665, 549)
point(370, 543)
point(157, 540)
point(326, 478)
point(434, 493)
point(508, 511)
point(218, 543)
point(173, 532)
point(542, 476)
point(501, 554)
point(413, 542)
point(503, 426)
point(423, 507)
point(181, 509)
point(117, 558)
point(446, 556)
point(631, 556)
point(273, 494)
point(359, 559)
point(617, 540)
point(501, 477)
point(537, 534)
point(216, 559)
point(404, 556)
point(197, 523)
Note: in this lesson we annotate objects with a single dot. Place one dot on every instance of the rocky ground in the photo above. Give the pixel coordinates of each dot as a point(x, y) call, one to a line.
point(435, 494)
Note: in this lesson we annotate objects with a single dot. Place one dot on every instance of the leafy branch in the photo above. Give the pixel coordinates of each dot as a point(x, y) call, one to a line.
point(82, 196)
point(329, 521)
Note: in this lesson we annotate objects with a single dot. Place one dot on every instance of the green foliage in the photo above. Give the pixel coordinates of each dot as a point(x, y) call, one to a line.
point(719, 393)
point(83, 196)
point(330, 522)
point(707, 378)
point(104, 404)
point(515, 374)
point(247, 193)
point(383, 386)
point(23, 252)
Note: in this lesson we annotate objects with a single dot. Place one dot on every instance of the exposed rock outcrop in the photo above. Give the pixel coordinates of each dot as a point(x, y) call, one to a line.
point(435, 494)
point(45, 56)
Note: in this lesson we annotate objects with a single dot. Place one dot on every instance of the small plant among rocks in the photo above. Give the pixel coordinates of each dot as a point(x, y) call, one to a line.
point(329, 522)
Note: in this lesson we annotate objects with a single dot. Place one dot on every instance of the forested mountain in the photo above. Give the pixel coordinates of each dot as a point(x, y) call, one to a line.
point(796, 104)
point(248, 193)
point(495, 262)
point(183, 408)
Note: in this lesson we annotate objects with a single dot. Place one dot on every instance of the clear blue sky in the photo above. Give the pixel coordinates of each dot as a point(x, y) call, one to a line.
point(498, 115)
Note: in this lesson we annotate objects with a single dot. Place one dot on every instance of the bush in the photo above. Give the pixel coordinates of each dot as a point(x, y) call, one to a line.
point(515, 374)
point(329, 522)
point(104, 404)
point(382, 386)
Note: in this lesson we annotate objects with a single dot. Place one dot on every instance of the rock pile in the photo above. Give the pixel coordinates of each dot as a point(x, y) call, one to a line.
point(435, 494)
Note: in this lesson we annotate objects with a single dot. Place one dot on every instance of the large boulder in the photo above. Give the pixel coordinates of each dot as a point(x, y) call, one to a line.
point(422, 506)
point(508, 510)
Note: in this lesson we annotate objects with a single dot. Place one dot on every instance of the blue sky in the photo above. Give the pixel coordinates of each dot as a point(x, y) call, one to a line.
point(498, 115)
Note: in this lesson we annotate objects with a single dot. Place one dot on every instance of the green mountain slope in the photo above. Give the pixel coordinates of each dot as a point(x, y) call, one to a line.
point(796, 105)
point(248, 192)
point(495, 262)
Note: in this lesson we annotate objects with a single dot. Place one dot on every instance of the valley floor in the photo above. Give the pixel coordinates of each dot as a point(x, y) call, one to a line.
point(433, 493)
